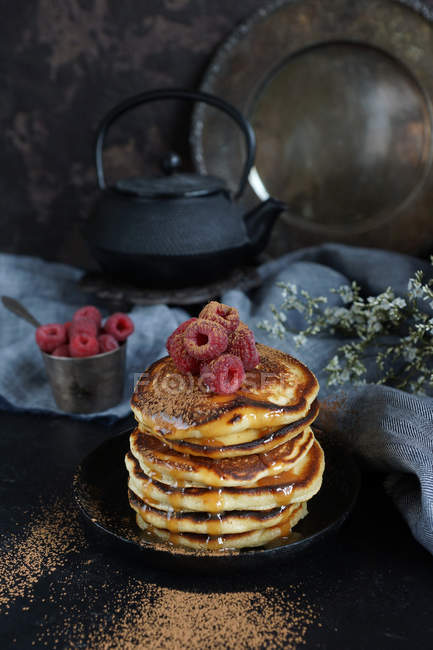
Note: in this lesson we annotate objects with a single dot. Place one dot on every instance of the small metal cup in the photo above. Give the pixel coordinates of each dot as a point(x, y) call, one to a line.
point(88, 384)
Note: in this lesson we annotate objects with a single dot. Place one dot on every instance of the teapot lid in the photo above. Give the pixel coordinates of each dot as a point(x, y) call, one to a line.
point(175, 186)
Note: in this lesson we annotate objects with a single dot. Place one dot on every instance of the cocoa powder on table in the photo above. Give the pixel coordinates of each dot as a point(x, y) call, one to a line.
point(36, 549)
point(160, 617)
point(78, 612)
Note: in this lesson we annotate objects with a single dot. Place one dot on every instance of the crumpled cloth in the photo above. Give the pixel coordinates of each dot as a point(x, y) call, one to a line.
point(390, 429)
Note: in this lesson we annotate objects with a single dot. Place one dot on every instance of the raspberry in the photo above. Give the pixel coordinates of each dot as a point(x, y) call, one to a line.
point(243, 345)
point(107, 343)
point(83, 326)
point(61, 351)
point(176, 349)
point(90, 313)
point(181, 328)
point(223, 375)
point(205, 340)
point(49, 337)
point(119, 325)
point(67, 328)
point(224, 315)
point(83, 345)
point(182, 360)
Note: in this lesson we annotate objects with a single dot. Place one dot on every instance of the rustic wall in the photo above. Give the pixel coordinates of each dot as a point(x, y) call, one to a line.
point(63, 65)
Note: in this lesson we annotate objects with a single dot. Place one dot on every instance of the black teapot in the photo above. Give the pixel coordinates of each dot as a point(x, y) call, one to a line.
point(181, 229)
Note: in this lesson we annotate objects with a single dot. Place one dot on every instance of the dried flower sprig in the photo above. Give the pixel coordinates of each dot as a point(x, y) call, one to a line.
point(403, 361)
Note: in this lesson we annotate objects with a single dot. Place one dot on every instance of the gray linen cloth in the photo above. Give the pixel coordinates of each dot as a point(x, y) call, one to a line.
point(390, 429)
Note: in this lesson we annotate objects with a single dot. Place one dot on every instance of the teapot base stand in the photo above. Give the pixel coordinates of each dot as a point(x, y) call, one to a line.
point(124, 295)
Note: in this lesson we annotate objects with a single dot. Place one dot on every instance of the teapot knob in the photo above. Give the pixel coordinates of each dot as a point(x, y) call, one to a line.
point(171, 163)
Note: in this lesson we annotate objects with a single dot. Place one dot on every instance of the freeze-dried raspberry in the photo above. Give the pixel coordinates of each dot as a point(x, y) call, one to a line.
point(223, 375)
point(119, 325)
point(205, 340)
point(49, 337)
point(83, 326)
point(184, 362)
point(61, 351)
point(224, 315)
point(243, 345)
point(83, 345)
point(176, 349)
point(107, 343)
point(90, 312)
point(179, 330)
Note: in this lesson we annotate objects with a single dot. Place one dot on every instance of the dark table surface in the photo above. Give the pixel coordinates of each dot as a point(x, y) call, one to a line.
point(369, 587)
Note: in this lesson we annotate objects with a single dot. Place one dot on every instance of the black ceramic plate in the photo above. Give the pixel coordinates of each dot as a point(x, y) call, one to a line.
point(101, 494)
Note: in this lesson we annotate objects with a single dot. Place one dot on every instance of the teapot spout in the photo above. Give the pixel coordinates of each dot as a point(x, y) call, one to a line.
point(260, 221)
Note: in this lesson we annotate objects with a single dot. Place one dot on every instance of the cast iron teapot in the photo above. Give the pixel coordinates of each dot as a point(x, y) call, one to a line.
point(181, 229)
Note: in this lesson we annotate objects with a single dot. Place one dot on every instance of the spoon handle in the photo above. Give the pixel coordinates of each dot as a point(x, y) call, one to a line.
point(19, 310)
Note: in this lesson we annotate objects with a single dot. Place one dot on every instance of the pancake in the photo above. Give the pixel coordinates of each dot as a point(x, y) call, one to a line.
point(157, 458)
point(215, 471)
point(173, 406)
point(259, 441)
point(298, 484)
point(257, 537)
point(203, 523)
point(230, 439)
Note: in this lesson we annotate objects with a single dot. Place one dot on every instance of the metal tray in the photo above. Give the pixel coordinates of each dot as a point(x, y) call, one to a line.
point(339, 94)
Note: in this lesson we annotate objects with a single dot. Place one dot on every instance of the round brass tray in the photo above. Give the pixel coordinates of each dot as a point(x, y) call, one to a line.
point(340, 96)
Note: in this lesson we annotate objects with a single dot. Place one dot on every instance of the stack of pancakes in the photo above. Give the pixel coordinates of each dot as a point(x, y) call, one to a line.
point(212, 471)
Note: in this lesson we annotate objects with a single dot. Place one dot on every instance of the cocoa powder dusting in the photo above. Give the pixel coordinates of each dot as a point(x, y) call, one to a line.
point(84, 608)
point(39, 548)
point(156, 402)
point(152, 616)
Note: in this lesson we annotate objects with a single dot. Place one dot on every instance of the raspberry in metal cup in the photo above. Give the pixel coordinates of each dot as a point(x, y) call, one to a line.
point(87, 384)
point(85, 361)
point(86, 375)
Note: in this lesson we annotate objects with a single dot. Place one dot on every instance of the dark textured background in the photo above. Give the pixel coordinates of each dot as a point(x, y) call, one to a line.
point(63, 65)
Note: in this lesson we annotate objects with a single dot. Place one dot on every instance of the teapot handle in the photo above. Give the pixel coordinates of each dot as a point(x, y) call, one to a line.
point(176, 93)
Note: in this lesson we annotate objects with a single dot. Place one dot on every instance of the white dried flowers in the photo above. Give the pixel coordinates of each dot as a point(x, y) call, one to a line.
point(395, 332)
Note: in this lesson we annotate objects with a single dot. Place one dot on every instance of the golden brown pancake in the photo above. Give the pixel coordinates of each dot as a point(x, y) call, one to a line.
point(173, 406)
point(155, 457)
point(211, 471)
point(204, 523)
point(257, 537)
point(298, 484)
point(261, 441)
